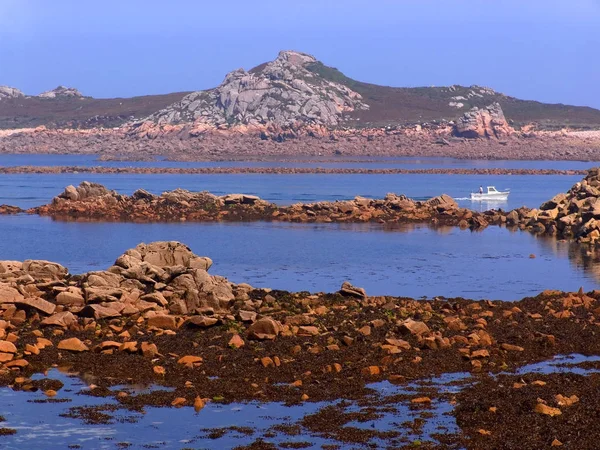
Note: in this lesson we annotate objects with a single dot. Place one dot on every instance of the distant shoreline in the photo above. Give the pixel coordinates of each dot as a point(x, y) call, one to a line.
point(277, 171)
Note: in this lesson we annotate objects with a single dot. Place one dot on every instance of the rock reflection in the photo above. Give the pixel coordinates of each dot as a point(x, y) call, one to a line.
point(582, 257)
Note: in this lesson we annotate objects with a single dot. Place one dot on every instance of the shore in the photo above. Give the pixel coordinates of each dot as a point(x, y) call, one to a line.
point(277, 170)
point(158, 317)
point(180, 143)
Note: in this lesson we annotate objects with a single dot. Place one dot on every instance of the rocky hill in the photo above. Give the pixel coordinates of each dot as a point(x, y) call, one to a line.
point(297, 88)
point(282, 91)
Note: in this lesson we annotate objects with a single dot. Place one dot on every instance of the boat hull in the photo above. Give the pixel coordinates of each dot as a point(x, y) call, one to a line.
point(495, 196)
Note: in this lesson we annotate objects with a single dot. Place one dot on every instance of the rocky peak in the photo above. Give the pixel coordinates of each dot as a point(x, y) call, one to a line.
point(10, 92)
point(282, 92)
point(61, 92)
point(488, 122)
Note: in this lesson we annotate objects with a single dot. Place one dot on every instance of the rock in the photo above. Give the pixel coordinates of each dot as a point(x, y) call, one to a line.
point(352, 291)
point(202, 321)
point(265, 328)
point(540, 408)
point(561, 400)
point(7, 347)
point(308, 331)
point(413, 327)
point(162, 321)
point(236, 341)
point(420, 400)
point(178, 402)
point(371, 371)
point(442, 202)
point(554, 202)
point(512, 348)
point(240, 199)
point(163, 254)
point(199, 403)
point(73, 345)
point(8, 294)
point(70, 298)
point(149, 350)
point(37, 303)
point(10, 266)
point(400, 343)
point(61, 92)
point(61, 319)
point(44, 270)
point(7, 92)
point(488, 122)
point(98, 311)
point(247, 316)
point(189, 360)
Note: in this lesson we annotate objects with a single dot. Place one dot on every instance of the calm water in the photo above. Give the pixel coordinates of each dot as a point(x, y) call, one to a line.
point(27, 190)
point(414, 262)
point(366, 162)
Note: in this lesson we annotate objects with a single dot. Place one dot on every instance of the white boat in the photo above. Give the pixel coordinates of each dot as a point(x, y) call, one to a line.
point(491, 194)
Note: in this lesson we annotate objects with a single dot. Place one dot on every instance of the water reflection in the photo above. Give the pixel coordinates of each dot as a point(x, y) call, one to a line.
point(486, 205)
point(582, 257)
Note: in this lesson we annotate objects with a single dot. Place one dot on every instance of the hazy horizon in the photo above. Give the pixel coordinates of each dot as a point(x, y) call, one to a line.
point(542, 51)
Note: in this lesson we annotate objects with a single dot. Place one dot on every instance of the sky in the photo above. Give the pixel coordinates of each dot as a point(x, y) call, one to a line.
point(541, 50)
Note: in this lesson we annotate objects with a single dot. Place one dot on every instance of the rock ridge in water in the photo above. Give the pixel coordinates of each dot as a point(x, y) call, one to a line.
point(91, 201)
point(282, 92)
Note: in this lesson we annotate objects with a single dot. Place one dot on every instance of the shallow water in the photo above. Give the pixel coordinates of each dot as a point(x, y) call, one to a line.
point(184, 428)
point(411, 261)
point(28, 190)
point(225, 426)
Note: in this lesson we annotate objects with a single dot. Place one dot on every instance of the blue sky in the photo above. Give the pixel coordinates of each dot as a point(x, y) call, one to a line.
point(542, 50)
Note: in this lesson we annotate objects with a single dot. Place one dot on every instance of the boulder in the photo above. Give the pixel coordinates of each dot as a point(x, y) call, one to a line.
point(265, 329)
point(442, 202)
point(488, 122)
point(349, 290)
point(44, 270)
point(162, 254)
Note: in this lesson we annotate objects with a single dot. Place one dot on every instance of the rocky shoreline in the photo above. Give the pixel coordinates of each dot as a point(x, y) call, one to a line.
point(279, 170)
point(185, 143)
point(572, 215)
point(157, 316)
